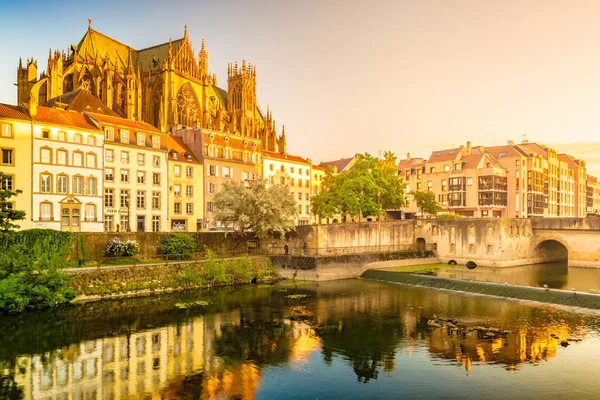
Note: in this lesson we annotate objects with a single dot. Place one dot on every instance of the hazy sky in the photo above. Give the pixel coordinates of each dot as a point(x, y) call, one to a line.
point(348, 76)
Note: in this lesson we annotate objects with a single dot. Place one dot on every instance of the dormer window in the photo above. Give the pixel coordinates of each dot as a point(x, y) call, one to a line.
point(124, 136)
point(141, 139)
point(109, 133)
point(174, 155)
point(156, 142)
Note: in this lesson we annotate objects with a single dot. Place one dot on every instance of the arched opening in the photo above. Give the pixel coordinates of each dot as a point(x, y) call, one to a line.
point(421, 244)
point(452, 262)
point(471, 265)
point(552, 250)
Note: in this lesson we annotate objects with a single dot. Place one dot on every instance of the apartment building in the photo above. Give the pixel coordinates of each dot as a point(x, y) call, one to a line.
point(592, 195)
point(225, 158)
point(523, 180)
point(185, 187)
point(295, 173)
point(318, 175)
point(135, 175)
point(15, 164)
point(67, 170)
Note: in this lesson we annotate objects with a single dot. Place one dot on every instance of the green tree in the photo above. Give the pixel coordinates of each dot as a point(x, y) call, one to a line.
point(426, 202)
point(371, 186)
point(7, 214)
point(258, 208)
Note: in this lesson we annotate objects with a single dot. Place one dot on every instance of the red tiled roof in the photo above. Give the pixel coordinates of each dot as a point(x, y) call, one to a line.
point(444, 155)
point(286, 157)
point(123, 122)
point(14, 112)
point(63, 118)
point(318, 168)
point(176, 145)
point(341, 164)
point(410, 163)
point(569, 160)
point(80, 100)
point(234, 142)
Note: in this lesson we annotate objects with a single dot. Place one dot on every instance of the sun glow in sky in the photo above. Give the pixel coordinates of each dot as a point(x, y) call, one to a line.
point(348, 76)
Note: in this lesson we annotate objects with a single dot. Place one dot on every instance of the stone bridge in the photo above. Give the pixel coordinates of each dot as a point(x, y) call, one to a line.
point(499, 242)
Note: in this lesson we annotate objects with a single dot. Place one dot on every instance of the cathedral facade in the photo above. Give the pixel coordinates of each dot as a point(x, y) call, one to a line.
point(166, 85)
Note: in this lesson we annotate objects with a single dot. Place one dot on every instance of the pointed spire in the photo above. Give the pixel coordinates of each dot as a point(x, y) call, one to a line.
point(170, 48)
point(130, 68)
point(20, 63)
point(185, 34)
point(203, 48)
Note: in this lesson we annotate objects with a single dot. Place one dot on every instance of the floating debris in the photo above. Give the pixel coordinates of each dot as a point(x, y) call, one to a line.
point(193, 303)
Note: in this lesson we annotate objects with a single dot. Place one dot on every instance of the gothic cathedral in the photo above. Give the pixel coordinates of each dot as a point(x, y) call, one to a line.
point(165, 85)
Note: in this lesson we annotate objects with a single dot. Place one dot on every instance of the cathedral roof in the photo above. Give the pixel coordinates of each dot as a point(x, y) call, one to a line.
point(222, 95)
point(96, 45)
point(80, 100)
point(144, 58)
point(65, 118)
point(14, 112)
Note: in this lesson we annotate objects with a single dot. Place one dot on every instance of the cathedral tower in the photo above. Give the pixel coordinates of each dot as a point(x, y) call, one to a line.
point(241, 95)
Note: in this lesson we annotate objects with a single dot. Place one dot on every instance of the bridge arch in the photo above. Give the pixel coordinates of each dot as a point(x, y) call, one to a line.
point(552, 250)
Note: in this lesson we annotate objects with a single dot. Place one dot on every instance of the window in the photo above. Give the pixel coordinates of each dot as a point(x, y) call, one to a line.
point(255, 158)
point(189, 208)
point(76, 138)
point(211, 188)
point(141, 139)
point(45, 183)
point(109, 198)
point(8, 156)
point(90, 160)
point(77, 185)
point(61, 184)
point(209, 206)
point(189, 191)
point(446, 168)
point(91, 140)
point(124, 218)
point(292, 170)
point(124, 175)
point(46, 211)
point(61, 157)
point(271, 167)
point(517, 163)
point(307, 210)
point(8, 183)
point(45, 155)
point(177, 208)
point(307, 197)
point(444, 185)
point(212, 170)
point(124, 136)
point(6, 130)
point(90, 186)
point(155, 223)
point(141, 159)
point(46, 134)
point(90, 212)
point(109, 155)
point(78, 159)
point(177, 190)
point(299, 196)
point(109, 174)
point(432, 170)
point(227, 172)
point(283, 180)
point(299, 208)
point(156, 142)
point(156, 200)
point(62, 136)
point(124, 198)
point(469, 181)
point(155, 178)
point(141, 177)
point(109, 133)
point(125, 157)
point(292, 182)
point(177, 170)
point(189, 172)
point(141, 199)
point(227, 153)
point(155, 161)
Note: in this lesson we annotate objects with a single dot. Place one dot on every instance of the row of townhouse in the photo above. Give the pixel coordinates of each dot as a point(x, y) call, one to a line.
point(92, 171)
point(513, 180)
point(83, 168)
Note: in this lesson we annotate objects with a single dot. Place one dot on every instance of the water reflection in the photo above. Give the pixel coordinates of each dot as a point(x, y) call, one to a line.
point(556, 275)
point(246, 341)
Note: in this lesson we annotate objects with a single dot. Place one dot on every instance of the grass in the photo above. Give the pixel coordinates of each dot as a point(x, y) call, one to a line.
point(425, 269)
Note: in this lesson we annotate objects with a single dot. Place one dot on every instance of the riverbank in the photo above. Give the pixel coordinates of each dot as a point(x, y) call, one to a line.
point(117, 282)
point(553, 296)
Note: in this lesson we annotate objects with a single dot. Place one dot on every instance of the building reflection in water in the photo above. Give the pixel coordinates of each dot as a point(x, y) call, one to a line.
point(223, 355)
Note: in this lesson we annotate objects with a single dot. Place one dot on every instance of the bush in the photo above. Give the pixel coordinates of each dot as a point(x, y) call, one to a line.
point(118, 248)
point(178, 245)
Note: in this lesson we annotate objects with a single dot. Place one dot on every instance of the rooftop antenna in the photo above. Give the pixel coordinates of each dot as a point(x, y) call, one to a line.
point(524, 137)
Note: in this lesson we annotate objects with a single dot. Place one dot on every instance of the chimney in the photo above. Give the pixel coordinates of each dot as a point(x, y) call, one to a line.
point(469, 147)
point(408, 156)
point(511, 143)
point(309, 161)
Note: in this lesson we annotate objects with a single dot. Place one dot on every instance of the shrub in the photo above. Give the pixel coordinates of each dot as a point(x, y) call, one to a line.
point(178, 245)
point(449, 216)
point(118, 248)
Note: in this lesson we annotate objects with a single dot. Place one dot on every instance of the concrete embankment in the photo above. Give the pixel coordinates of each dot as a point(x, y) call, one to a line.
point(562, 297)
point(325, 268)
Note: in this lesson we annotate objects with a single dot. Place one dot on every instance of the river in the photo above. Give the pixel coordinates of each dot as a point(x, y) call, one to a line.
point(345, 339)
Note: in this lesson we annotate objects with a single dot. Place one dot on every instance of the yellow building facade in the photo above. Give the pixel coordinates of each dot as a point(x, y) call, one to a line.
point(15, 164)
point(185, 187)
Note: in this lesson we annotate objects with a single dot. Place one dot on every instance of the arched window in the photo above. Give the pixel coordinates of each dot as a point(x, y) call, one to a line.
point(45, 182)
point(188, 109)
point(90, 212)
point(46, 211)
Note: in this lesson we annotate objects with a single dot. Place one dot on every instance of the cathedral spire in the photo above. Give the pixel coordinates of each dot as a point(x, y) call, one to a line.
point(170, 48)
point(130, 68)
point(185, 33)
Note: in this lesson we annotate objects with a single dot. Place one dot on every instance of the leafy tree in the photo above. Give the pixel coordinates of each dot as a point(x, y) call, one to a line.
point(7, 214)
point(372, 185)
point(258, 208)
point(179, 245)
point(426, 202)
